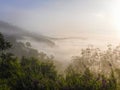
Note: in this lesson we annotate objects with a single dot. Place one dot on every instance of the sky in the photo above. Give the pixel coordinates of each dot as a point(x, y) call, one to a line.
point(64, 17)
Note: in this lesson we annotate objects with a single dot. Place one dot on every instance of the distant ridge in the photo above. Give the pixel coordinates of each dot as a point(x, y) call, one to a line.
point(19, 33)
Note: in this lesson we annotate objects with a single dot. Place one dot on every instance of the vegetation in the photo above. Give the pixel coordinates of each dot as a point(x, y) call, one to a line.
point(31, 73)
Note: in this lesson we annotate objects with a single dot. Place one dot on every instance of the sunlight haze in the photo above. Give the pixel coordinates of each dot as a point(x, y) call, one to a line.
point(96, 20)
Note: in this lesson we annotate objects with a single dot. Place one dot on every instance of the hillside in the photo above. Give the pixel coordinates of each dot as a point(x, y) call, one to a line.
point(19, 33)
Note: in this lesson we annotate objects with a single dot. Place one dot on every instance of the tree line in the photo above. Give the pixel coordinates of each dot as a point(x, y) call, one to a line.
point(33, 73)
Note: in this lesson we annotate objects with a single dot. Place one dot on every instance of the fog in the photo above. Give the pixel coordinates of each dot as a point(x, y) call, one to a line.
point(68, 26)
point(65, 49)
point(62, 47)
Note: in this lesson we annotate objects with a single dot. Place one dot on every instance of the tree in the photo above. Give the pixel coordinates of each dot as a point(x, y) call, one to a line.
point(10, 69)
point(38, 75)
point(4, 45)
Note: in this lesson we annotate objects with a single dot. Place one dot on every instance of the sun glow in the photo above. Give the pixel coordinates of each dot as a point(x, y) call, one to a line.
point(115, 14)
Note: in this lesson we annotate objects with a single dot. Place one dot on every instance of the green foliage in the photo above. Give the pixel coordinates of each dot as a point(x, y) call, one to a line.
point(40, 74)
point(37, 74)
point(3, 85)
point(3, 43)
point(89, 81)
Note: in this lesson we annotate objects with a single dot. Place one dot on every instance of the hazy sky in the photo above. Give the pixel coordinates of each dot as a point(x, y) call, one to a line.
point(64, 17)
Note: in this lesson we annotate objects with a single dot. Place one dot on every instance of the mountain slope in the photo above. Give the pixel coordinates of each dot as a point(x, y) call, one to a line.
point(19, 33)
